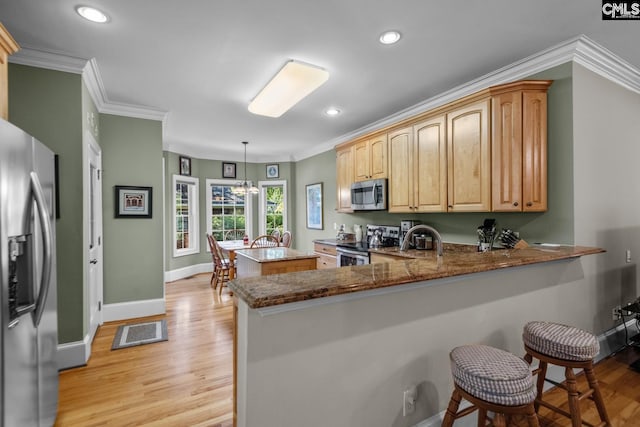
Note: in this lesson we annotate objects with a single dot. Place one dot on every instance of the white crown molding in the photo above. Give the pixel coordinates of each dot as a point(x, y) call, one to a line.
point(92, 78)
point(581, 50)
point(49, 60)
point(90, 72)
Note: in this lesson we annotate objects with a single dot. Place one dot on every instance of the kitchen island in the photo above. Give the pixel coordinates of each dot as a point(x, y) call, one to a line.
point(339, 346)
point(273, 260)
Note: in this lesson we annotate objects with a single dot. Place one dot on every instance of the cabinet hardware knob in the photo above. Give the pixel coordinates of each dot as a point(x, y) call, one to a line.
point(529, 204)
point(515, 203)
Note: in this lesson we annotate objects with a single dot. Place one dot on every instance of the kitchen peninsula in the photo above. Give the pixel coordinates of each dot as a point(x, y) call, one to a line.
point(339, 346)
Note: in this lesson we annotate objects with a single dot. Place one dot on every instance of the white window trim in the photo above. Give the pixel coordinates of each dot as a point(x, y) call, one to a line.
point(248, 205)
point(262, 186)
point(194, 234)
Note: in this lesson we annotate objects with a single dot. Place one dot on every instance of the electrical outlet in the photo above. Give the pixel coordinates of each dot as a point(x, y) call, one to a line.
point(628, 256)
point(616, 313)
point(409, 401)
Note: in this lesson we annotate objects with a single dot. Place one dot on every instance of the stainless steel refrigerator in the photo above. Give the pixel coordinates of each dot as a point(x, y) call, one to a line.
point(29, 331)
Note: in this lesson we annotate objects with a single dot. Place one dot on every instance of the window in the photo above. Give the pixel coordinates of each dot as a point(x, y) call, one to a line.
point(273, 206)
point(185, 216)
point(228, 214)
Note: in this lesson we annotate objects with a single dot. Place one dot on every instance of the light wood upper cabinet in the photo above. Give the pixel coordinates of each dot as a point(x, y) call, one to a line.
point(430, 165)
point(418, 167)
point(484, 152)
point(344, 177)
point(8, 46)
point(469, 158)
point(401, 176)
point(519, 152)
point(370, 158)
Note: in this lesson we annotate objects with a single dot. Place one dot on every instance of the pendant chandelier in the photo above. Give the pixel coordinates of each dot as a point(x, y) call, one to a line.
point(245, 187)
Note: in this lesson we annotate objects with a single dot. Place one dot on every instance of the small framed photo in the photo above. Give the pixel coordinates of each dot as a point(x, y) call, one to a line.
point(185, 166)
point(273, 171)
point(228, 170)
point(314, 206)
point(133, 202)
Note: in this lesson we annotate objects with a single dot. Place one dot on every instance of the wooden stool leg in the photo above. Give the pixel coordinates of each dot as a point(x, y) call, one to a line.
point(597, 396)
point(574, 402)
point(532, 418)
point(542, 374)
point(482, 417)
point(498, 420)
point(452, 409)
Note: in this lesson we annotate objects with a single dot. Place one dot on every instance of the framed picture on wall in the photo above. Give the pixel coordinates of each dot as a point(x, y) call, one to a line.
point(273, 171)
point(133, 202)
point(228, 170)
point(185, 166)
point(314, 206)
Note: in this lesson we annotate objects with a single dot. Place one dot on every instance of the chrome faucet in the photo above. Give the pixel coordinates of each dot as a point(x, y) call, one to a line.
point(422, 227)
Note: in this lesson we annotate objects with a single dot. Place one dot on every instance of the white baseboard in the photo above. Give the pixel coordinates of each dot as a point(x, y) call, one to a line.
point(73, 354)
point(76, 353)
point(133, 309)
point(181, 273)
point(610, 342)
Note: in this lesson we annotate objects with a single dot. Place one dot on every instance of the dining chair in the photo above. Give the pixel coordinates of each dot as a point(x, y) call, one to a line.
point(234, 234)
point(266, 240)
point(287, 238)
point(221, 265)
point(276, 234)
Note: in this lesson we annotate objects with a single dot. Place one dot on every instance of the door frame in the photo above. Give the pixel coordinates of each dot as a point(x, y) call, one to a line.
point(90, 144)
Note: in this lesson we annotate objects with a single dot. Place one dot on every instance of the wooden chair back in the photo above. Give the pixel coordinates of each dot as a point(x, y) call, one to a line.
point(234, 234)
point(265, 241)
point(276, 233)
point(287, 238)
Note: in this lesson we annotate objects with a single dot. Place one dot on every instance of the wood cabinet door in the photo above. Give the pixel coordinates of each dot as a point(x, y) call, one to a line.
point(534, 151)
point(378, 157)
point(506, 148)
point(430, 165)
point(344, 178)
point(468, 158)
point(400, 186)
point(361, 161)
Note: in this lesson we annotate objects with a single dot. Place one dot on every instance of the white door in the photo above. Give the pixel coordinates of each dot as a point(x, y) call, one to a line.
point(94, 234)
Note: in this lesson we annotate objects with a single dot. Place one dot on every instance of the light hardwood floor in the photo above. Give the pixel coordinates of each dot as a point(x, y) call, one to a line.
point(187, 381)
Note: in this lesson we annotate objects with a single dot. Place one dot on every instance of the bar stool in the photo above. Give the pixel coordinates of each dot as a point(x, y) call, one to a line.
point(571, 348)
point(492, 380)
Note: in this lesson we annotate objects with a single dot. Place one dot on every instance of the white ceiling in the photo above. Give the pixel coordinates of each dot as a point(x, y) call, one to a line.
point(202, 61)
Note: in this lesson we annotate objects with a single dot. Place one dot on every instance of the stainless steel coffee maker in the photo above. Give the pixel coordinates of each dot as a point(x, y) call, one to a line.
point(406, 225)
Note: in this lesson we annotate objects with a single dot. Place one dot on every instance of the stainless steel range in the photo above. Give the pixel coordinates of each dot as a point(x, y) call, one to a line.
point(357, 253)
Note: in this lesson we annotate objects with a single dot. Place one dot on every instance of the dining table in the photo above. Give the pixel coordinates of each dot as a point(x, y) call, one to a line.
point(230, 247)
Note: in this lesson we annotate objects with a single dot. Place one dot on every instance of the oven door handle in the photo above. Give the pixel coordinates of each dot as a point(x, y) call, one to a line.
point(351, 252)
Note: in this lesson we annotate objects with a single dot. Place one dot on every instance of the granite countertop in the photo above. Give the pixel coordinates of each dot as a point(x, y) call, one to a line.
point(266, 291)
point(270, 254)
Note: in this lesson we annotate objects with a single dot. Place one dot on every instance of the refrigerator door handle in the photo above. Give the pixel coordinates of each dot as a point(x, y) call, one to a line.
point(47, 239)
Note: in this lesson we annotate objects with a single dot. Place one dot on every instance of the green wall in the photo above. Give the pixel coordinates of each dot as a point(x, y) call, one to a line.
point(131, 155)
point(204, 169)
point(56, 108)
point(48, 105)
point(555, 225)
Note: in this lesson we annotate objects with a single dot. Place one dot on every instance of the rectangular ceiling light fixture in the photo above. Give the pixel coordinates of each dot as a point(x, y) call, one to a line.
point(292, 83)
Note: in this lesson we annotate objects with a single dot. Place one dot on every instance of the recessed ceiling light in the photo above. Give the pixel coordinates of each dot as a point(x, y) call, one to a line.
point(389, 37)
point(332, 111)
point(92, 14)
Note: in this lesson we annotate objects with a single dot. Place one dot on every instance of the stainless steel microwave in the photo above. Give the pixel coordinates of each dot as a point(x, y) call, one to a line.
point(369, 195)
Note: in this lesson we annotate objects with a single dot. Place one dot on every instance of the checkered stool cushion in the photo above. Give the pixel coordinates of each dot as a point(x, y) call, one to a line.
point(560, 341)
point(492, 375)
